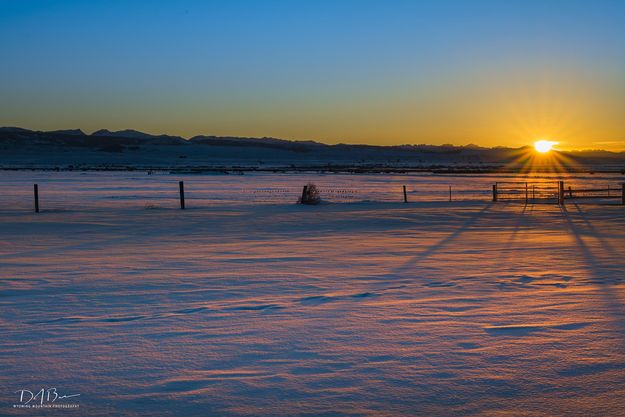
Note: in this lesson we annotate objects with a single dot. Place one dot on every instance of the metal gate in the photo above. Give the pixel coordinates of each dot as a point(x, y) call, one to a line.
point(526, 191)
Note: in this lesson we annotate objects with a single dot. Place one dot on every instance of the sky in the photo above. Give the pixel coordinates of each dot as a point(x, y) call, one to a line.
point(491, 73)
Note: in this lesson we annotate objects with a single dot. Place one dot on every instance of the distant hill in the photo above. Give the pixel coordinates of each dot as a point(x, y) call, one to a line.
point(131, 149)
point(134, 134)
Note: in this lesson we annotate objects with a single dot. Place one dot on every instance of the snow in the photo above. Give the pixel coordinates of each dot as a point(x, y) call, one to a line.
point(353, 308)
point(119, 190)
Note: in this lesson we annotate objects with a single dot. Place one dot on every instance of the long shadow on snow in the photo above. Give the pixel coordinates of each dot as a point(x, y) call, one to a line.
point(597, 271)
point(443, 242)
point(505, 251)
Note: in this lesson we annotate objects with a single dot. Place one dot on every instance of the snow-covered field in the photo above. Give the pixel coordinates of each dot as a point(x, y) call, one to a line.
point(120, 190)
point(356, 308)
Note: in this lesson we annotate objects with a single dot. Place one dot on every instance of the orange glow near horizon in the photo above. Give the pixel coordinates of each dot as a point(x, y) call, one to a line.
point(541, 157)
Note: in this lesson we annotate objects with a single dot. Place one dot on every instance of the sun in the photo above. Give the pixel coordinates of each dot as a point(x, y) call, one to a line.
point(544, 146)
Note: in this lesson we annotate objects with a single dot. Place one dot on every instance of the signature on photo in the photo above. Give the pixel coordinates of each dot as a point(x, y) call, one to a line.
point(42, 396)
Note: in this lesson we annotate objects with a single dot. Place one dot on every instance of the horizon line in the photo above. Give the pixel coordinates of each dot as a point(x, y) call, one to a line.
point(318, 141)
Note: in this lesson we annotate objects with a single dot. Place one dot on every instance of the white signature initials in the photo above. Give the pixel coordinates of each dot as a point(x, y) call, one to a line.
point(49, 395)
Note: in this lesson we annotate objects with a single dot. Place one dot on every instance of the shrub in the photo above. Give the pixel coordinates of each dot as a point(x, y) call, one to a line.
point(312, 195)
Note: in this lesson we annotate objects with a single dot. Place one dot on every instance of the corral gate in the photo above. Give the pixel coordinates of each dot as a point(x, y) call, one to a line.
point(546, 191)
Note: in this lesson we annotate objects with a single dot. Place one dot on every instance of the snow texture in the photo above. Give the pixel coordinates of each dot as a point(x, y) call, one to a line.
point(362, 308)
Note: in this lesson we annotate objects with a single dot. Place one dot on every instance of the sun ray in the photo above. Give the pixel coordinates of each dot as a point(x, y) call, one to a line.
point(542, 157)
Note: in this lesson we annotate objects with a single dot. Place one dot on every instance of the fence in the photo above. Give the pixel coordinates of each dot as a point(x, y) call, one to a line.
point(553, 191)
point(83, 191)
point(95, 191)
point(52, 197)
point(525, 191)
point(608, 192)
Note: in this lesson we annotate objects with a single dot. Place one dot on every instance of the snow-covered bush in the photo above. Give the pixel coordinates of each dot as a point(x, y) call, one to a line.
point(311, 196)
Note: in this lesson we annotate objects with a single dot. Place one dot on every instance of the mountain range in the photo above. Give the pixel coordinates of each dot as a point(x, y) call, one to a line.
point(131, 149)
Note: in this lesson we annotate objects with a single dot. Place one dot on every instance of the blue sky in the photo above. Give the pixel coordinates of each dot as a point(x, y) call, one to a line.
point(487, 72)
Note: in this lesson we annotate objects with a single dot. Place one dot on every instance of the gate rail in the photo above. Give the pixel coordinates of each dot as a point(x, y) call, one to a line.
point(526, 191)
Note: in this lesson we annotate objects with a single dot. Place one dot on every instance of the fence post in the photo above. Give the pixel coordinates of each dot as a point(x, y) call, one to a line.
point(570, 192)
point(623, 194)
point(181, 186)
point(304, 194)
point(495, 192)
point(36, 190)
point(450, 193)
point(561, 193)
point(526, 194)
point(405, 195)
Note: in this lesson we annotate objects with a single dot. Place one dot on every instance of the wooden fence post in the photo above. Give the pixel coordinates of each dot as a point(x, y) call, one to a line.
point(450, 193)
point(181, 187)
point(405, 195)
point(36, 190)
point(304, 195)
point(494, 192)
point(526, 194)
point(561, 193)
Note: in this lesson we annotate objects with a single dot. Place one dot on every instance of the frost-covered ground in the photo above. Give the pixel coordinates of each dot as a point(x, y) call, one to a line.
point(374, 308)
